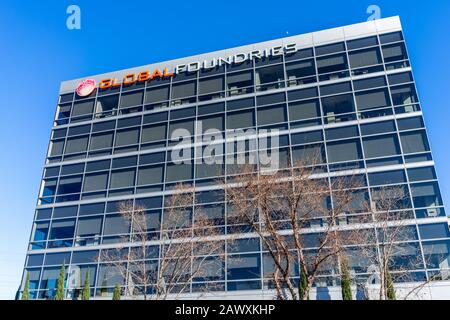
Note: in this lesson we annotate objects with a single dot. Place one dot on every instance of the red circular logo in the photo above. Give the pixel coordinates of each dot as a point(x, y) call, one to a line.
point(86, 87)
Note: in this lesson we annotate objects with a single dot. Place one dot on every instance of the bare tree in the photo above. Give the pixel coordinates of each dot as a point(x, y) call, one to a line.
point(280, 208)
point(388, 240)
point(189, 249)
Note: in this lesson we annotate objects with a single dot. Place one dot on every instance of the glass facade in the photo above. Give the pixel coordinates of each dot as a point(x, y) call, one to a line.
point(354, 102)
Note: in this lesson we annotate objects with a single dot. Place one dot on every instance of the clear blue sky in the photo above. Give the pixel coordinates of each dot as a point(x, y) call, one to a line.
point(37, 52)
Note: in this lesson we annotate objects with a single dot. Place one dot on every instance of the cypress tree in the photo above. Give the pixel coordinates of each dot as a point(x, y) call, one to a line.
point(60, 284)
point(390, 290)
point(303, 283)
point(26, 290)
point(346, 282)
point(86, 293)
point(116, 293)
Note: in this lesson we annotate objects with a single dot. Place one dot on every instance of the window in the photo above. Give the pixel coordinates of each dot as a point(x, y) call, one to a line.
point(178, 172)
point(241, 119)
point(272, 74)
point(122, 178)
point(369, 83)
point(382, 146)
point(74, 131)
point(362, 43)
point(124, 162)
point(244, 245)
point(92, 208)
point(341, 133)
point(243, 266)
point(157, 94)
point(422, 174)
point(300, 69)
point(205, 170)
point(127, 137)
point(62, 229)
point(338, 104)
point(109, 276)
point(88, 227)
point(95, 181)
point(335, 88)
point(82, 108)
point(372, 99)
point(101, 141)
point(65, 212)
point(108, 103)
point(306, 137)
point(330, 48)
point(383, 178)
point(151, 175)
point(237, 81)
point(434, 231)
point(426, 195)
point(97, 165)
point(391, 37)
point(394, 52)
point(70, 185)
point(310, 154)
point(103, 126)
point(304, 110)
point(187, 127)
point(116, 224)
point(437, 254)
point(131, 99)
point(213, 122)
point(332, 63)
point(49, 188)
point(399, 78)
point(56, 147)
point(363, 58)
point(74, 145)
point(377, 127)
point(410, 123)
point(41, 231)
point(154, 133)
point(269, 115)
point(404, 95)
point(414, 142)
point(185, 89)
point(72, 169)
point(210, 85)
point(344, 151)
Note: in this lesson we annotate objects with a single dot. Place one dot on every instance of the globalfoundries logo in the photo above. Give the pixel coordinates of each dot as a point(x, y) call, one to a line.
point(85, 87)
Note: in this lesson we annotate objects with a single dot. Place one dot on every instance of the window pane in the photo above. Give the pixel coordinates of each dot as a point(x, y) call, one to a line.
point(150, 175)
point(244, 267)
point(364, 58)
point(122, 178)
point(394, 52)
point(89, 227)
point(210, 85)
point(126, 137)
point(157, 94)
point(101, 141)
point(275, 114)
point(338, 104)
point(240, 119)
point(304, 110)
point(361, 43)
point(373, 99)
point(413, 142)
point(404, 95)
point(332, 63)
point(300, 69)
point(107, 103)
point(178, 172)
point(131, 99)
point(82, 108)
point(344, 151)
point(185, 89)
point(116, 225)
point(77, 144)
point(269, 74)
point(97, 181)
point(154, 133)
point(381, 146)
